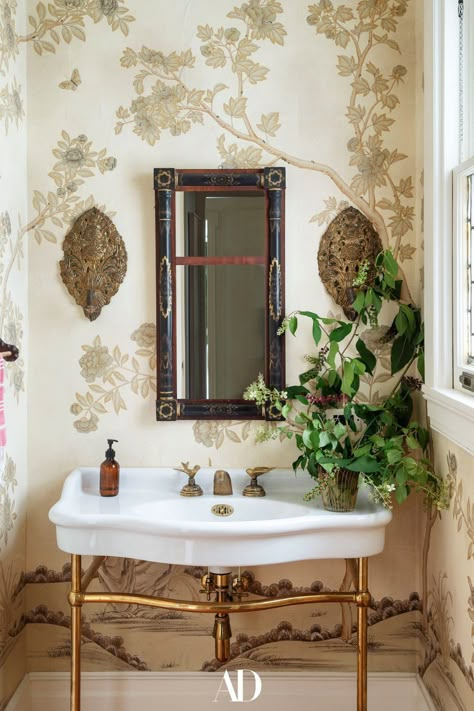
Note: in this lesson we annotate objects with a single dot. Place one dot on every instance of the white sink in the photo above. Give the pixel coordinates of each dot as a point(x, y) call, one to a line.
point(149, 520)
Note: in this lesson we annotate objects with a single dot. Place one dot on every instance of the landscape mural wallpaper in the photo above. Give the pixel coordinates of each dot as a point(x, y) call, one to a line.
point(113, 90)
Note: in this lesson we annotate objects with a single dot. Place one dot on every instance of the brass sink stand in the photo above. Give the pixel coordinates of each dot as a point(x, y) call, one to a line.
point(79, 597)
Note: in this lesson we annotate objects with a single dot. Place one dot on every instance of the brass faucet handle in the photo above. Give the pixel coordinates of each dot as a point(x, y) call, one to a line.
point(186, 469)
point(207, 582)
point(258, 471)
point(191, 488)
point(255, 489)
point(240, 586)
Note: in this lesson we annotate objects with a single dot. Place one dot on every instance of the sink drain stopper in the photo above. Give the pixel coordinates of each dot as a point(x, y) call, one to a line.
point(222, 510)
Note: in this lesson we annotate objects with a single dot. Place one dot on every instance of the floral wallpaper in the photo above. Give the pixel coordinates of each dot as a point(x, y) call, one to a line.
point(328, 90)
point(13, 329)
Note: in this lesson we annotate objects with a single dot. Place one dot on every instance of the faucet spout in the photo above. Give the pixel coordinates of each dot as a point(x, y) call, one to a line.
point(222, 483)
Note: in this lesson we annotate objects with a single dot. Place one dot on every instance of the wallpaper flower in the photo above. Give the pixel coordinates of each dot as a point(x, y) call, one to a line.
point(108, 373)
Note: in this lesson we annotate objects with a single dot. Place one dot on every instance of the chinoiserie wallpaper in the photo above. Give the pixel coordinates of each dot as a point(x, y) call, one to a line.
point(114, 89)
point(13, 329)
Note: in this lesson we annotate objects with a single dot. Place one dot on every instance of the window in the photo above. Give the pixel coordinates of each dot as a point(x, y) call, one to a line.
point(449, 139)
point(463, 276)
point(463, 212)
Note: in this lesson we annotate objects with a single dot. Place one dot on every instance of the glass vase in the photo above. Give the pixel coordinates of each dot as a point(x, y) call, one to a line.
point(340, 491)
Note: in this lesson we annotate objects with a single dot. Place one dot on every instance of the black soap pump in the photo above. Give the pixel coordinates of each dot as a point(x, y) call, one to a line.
point(109, 472)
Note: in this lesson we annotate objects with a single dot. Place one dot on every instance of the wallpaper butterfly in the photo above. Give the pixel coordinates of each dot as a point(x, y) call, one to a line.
point(73, 82)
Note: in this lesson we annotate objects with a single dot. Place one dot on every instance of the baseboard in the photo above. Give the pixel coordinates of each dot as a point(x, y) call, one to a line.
point(428, 703)
point(127, 691)
point(21, 699)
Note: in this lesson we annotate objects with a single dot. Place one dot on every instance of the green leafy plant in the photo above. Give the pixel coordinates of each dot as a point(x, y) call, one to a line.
point(334, 428)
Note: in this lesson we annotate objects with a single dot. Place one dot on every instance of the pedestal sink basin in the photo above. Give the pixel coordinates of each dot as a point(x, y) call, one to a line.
point(149, 520)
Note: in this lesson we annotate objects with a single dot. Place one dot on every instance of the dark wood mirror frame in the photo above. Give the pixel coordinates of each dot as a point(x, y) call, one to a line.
point(270, 181)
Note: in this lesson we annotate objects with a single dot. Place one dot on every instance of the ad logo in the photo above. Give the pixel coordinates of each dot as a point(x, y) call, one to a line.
point(238, 696)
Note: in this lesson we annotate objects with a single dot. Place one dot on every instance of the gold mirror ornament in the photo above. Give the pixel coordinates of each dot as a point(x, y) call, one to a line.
point(95, 261)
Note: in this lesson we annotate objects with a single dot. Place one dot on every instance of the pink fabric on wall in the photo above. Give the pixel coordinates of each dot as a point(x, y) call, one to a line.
point(3, 428)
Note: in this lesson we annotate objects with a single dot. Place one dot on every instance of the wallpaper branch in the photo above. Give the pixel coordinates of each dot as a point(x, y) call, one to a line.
point(174, 106)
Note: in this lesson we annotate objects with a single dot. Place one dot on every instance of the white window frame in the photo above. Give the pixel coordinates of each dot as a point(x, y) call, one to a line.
point(451, 411)
point(461, 332)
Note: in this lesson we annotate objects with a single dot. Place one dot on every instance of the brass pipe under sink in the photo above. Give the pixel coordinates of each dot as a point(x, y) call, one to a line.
point(220, 583)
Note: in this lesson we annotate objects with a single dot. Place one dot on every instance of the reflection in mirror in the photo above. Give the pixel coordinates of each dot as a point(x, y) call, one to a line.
point(220, 339)
point(216, 224)
point(220, 289)
point(221, 342)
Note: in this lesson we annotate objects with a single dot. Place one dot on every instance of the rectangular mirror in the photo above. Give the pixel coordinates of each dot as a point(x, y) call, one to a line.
point(220, 278)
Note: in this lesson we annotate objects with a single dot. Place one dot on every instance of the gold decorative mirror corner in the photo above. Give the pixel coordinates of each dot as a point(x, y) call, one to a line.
point(94, 263)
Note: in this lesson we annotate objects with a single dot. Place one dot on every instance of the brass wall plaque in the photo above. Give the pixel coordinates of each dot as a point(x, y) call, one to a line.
point(347, 242)
point(95, 261)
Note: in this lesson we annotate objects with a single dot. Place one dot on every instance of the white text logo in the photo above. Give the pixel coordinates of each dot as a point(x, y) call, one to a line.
point(239, 694)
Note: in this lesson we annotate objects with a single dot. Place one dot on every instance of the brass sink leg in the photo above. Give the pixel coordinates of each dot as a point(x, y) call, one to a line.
point(362, 602)
point(75, 601)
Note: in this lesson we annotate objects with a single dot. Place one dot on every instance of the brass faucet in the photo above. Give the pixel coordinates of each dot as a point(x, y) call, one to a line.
point(222, 483)
point(254, 488)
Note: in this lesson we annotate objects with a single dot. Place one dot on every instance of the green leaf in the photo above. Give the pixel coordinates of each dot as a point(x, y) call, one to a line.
point(315, 440)
point(359, 366)
point(410, 317)
point(307, 376)
point(339, 430)
point(307, 438)
point(367, 356)
point(323, 439)
point(401, 322)
point(423, 437)
point(316, 331)
point(294, 390)
point(401, 477)
point(377, 302)
point(412, 442)
point(331, 356)
point(302, 400)
point(293, 325)
point(347, 378)
point(420, 364)
point(359, 301)
point(403, 351)
point(362, 451)
point(340, 333)
point(401, 493)
point(390, 263)
point(394, 456)
point(365, 464)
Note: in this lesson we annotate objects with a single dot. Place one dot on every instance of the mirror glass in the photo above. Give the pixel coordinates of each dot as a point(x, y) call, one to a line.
point(220, 338)
point(217, 224)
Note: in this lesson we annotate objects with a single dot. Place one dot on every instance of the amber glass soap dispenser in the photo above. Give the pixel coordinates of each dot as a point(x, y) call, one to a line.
point(109, 472)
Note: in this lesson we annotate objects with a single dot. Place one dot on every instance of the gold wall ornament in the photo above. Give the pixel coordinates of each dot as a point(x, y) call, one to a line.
point(349, 240)
point(95, 261)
